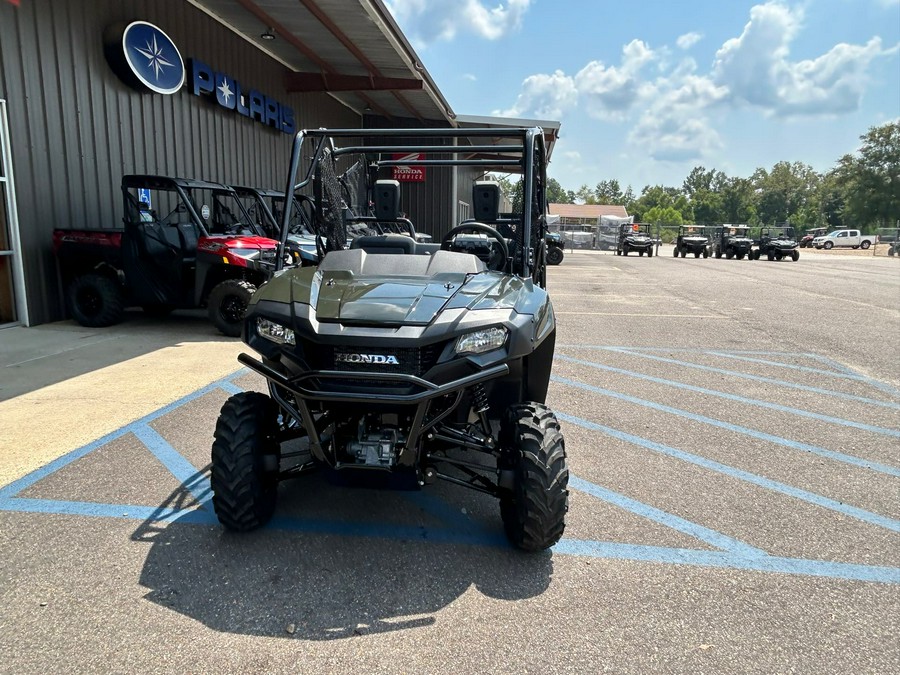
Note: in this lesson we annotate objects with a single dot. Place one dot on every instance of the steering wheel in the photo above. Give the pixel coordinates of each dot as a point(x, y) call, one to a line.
point(498, 260)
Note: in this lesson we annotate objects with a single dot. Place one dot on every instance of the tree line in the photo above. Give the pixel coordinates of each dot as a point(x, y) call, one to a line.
point(861, 191)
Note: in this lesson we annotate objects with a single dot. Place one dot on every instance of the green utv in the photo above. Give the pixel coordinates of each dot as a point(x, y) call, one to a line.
point(399, 361)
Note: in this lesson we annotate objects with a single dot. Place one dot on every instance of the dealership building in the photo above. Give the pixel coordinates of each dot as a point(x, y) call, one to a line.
point(92, 90)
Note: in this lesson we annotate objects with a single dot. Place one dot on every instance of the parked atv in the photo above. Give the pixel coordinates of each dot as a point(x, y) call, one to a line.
point(691, 239)
point(634, 237)
point(732, 241)
point(411, 361)
point(555, 246)
point(204, 252)
point(776, 243)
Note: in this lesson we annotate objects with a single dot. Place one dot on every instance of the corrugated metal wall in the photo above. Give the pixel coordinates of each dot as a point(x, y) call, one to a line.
point(76, 128)
point(426, 203)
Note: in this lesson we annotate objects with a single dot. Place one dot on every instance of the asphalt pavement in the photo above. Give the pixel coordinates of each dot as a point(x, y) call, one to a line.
point(733, 433)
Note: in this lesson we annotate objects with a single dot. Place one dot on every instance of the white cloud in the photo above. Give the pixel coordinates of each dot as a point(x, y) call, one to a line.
point(670, 106)
point(688, 40)
point(609, 91)
point(470, 77)
point(544, 96)
point(757, 71)
point(426, 21)
point(669, 136)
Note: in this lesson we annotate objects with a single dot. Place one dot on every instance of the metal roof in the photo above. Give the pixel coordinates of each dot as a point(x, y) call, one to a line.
point(351, 49)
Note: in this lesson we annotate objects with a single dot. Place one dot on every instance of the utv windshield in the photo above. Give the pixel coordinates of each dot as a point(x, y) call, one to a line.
point(222, 212)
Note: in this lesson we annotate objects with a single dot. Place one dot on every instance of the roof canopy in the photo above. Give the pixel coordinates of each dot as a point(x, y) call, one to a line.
point(351, 49)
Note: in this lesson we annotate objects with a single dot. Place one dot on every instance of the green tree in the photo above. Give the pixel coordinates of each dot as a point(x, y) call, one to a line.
point(608, 192)
point(585, 195)
point(737, 201)
point(783, 193)
point(557, 195)
point(870, 181)
point(667, 215)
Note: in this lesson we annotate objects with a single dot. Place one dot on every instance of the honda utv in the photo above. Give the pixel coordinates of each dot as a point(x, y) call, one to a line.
point(185, 244)
point(733, 241)
point(634, 237)
point(691, 239)
point(776, 243)
point(400, 361)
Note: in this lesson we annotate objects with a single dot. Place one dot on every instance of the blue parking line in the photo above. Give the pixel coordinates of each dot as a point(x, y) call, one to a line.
point(740, 399)
point(740, 474)
point(230, 387)
point(704, 534)
point(864, 378)
point(120, 511)
point(674, 556)
point(747, 376)
point(789, 366)
point(194, 480)
point(753, 433)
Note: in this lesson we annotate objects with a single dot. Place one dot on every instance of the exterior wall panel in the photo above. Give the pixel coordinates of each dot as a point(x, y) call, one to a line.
point(77, 129)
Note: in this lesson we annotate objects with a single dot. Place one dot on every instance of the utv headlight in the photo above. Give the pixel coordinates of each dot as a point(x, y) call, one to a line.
point(248, 253)
point(482, 341)
point(275, 332)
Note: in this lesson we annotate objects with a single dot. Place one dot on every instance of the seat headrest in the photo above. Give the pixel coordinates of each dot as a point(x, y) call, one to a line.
point(387, 199)
point(486, 201)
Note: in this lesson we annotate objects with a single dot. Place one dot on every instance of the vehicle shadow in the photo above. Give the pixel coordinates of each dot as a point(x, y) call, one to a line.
point(37, 357)
point(328, 575)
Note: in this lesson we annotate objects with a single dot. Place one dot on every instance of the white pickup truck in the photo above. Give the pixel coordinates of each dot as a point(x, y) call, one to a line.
point(851, 238)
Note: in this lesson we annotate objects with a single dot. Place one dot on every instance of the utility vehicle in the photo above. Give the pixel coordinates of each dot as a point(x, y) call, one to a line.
point(555, 246)
point(400, 360)
point(691, 239)
point(185, 244)
point(806, 241)
point(889, 237)
point(265, 207)
point(776, 243)
point(634, 237)
point(732, 241)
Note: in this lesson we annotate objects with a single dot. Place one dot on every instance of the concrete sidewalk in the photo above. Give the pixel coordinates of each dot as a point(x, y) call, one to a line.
point(64, 385)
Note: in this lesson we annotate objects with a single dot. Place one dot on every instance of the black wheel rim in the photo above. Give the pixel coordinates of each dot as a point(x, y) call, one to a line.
point(232, 309)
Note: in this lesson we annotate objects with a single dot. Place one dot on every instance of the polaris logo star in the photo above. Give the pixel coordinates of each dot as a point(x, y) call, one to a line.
point(380, 359)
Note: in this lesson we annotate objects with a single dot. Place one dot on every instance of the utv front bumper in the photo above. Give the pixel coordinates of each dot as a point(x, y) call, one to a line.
point(311, 386)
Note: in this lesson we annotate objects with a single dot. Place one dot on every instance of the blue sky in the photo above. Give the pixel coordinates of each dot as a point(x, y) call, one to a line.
point(648, 89)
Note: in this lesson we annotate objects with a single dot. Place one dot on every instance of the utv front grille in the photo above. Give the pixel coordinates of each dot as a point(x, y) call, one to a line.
point(373, 360)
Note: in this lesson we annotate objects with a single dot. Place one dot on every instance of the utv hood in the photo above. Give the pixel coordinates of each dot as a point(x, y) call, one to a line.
point(403, 301)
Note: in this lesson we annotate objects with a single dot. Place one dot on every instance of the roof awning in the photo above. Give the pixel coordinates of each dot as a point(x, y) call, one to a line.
point(351, 49)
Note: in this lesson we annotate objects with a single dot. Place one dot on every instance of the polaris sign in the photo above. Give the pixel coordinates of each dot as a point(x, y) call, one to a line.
point(228, 93)
point(145, 58)
point(389, 360)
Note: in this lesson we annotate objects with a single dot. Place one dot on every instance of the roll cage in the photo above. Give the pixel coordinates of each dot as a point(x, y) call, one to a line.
point(520, 150)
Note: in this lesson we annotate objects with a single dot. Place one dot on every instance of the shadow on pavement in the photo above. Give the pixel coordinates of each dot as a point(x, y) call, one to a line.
point(315, 581)
point(33, 358)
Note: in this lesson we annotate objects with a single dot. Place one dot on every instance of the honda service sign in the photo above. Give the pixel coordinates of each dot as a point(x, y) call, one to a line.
point(409, 174)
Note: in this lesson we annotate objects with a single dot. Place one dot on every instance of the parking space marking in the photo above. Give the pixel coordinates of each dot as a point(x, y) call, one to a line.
point(679, 556)
point(740, 399)
point(190, 504)
point(744, 376)
point(711, 537)
point(806, 369)
point(740, 474)
point(728, 426)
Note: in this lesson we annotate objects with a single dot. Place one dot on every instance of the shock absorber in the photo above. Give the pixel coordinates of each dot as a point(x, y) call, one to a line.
point(480, 406)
